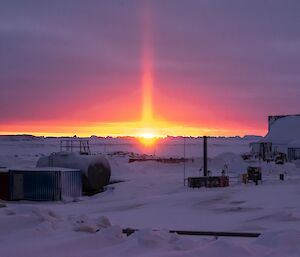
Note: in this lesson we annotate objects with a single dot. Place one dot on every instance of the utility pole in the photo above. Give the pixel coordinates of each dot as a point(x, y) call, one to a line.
point(184, 161)
point(205, 156)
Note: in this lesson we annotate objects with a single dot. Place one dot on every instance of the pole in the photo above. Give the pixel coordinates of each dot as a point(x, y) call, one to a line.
point(184, 161)
point(130, 231)
point(205, 156)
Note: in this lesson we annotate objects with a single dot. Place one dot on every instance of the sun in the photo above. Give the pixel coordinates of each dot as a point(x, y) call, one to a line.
point(147, 135)
point(147, 138)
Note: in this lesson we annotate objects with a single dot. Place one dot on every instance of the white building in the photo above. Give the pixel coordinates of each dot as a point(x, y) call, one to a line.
point(283, 137)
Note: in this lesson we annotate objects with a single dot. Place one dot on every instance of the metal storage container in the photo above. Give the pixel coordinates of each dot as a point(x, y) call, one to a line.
point(44, 184)
point(4, 184)
point(293, 154)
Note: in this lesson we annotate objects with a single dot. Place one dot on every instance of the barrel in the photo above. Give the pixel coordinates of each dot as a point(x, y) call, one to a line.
point(281, 176)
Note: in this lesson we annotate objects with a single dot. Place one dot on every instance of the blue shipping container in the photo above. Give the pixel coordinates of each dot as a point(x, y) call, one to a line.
point(44, 184)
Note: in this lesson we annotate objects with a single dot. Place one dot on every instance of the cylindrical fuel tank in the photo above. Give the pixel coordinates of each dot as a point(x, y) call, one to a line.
point(95, 169)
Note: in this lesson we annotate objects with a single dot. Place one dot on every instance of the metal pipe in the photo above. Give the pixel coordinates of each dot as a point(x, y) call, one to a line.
point(129, 231)
point(205, 156)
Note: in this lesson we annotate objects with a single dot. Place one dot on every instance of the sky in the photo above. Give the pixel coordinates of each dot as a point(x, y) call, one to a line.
point(160, 67)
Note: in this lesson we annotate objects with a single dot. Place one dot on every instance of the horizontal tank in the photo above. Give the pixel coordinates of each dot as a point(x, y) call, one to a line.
point(95, 169)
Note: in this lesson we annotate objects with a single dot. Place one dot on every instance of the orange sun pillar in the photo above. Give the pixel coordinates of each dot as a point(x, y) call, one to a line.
point(147, 68)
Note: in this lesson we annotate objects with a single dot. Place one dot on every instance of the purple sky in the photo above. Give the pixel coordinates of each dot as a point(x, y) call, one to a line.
point(222, 63)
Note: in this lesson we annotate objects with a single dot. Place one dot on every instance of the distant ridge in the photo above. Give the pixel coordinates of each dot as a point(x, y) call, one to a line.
point(28, 137)
point(23, 137)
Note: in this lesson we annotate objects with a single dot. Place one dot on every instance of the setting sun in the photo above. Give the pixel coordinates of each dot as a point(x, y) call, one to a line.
point(147, 141)
point(147, 135)
point(147, 138)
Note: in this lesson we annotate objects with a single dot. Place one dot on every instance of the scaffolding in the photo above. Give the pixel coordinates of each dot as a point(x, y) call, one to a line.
point(73, 145)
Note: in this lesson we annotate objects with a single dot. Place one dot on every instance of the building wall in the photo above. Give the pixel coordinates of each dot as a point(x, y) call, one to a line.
point(272, 119)
point(44, 185)
point(293, 154)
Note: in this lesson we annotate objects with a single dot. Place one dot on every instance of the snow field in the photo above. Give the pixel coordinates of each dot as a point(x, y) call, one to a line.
point(152, 196)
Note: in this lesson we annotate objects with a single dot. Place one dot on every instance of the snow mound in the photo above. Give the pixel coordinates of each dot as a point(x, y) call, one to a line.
point(234, 162)
point(156, 243)
point(227, 156)
point(284, 239)
point(148, 238)
point(84, 224)
point(223, 248)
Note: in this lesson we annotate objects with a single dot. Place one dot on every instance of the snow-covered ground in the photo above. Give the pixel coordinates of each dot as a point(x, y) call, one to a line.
point(153, 196)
